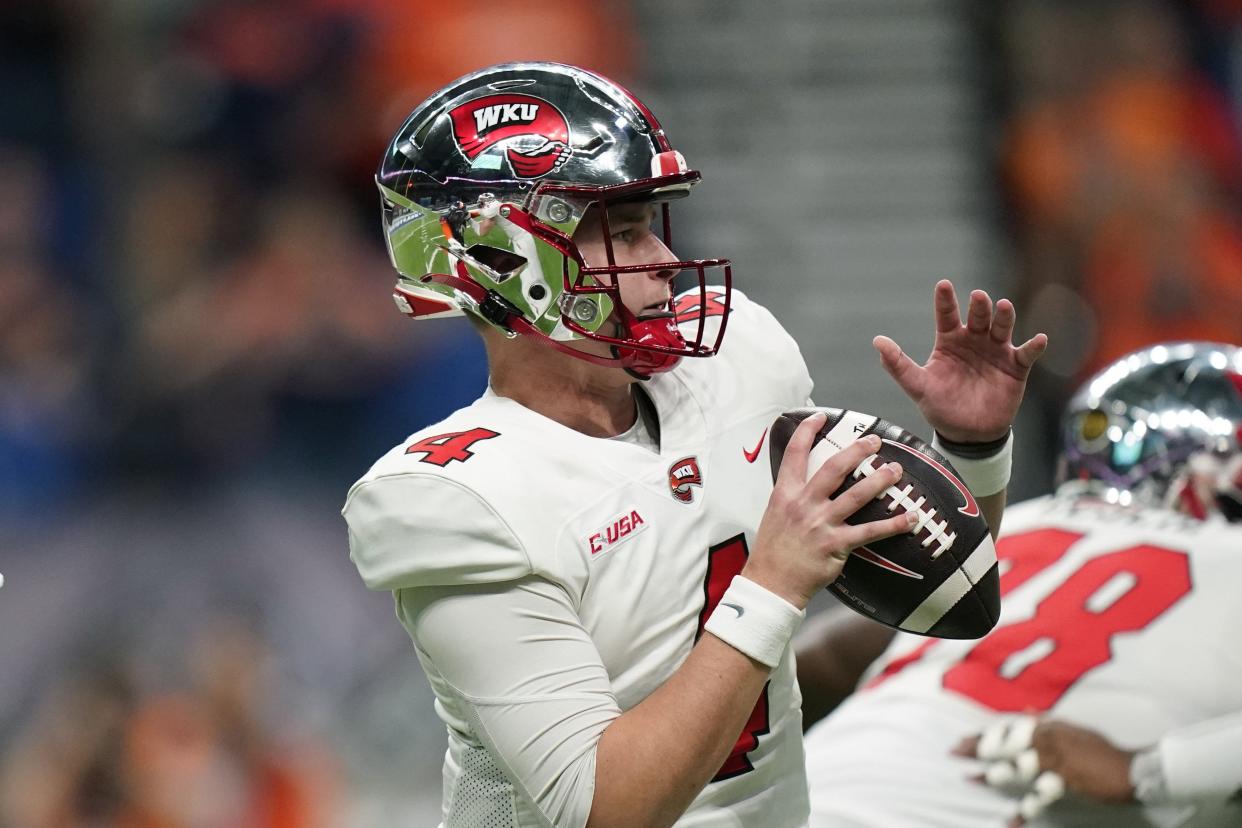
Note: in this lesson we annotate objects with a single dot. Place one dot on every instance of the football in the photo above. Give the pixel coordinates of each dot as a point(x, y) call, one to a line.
point(939, 579)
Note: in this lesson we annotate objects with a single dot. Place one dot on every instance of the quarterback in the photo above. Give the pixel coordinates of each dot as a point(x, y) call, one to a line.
point(1108, 694)
point(597, 573)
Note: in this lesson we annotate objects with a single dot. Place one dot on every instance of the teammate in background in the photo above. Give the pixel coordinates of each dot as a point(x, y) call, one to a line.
point(559, 548)
point(1113, 677)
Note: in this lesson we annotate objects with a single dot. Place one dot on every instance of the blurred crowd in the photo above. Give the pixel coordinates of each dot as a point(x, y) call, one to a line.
point(196, 746)
point(197, 354)
point(1122, 162)
point(190, 265)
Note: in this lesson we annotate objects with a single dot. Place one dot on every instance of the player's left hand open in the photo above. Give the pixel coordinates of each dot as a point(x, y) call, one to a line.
point(972, 384)
point(1039, 761)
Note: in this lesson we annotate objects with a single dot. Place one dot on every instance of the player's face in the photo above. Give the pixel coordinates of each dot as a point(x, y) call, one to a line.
point(633, 242)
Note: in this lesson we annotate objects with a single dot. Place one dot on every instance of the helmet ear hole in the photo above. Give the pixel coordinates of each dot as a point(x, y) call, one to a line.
point(502, 263)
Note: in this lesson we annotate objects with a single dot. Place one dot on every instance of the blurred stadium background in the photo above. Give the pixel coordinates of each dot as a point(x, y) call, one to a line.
point(198, 354)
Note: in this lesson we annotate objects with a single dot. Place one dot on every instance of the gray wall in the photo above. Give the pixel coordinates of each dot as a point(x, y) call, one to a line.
point(839, 145)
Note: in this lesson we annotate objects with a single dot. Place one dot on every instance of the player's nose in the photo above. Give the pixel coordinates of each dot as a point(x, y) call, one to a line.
point(657, 252)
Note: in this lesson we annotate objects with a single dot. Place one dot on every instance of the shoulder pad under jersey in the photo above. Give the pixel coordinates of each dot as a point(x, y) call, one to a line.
point(758, 361)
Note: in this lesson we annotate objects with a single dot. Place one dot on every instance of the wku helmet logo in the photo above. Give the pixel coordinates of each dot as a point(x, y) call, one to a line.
point(681, 476)
point(494, 119)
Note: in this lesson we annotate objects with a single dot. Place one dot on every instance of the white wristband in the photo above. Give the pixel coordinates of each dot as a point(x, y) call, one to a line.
point(754, 621)
point(983, 477)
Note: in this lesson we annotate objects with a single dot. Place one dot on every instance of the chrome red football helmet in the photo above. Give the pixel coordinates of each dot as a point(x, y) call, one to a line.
point(484, 186)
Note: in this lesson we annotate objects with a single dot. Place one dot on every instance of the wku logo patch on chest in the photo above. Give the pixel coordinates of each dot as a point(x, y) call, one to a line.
point(682, 475)
point(536, 131)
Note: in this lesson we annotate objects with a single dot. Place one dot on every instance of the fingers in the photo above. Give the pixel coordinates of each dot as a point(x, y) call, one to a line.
point(967, 747)
point(947, 317)
point(907, 372)
point(872, 486)
point(793, 464)
point(1022, 770)
point(1047, 789)
point(1006, 738)
point(865, 533)
point(979, 312)
point(1003, 321)
point(999, 324)
point(864, 491)
point(981, 316)
point(1032, 350)
point(890, 352)
point(828, 477)
point(1013, 764)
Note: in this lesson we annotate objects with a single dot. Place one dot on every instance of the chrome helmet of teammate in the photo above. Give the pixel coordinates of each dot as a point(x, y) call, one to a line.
point(484, 185)
point(1161, 425)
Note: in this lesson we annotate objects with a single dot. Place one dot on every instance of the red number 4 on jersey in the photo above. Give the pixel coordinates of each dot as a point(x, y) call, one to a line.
point(442, 449)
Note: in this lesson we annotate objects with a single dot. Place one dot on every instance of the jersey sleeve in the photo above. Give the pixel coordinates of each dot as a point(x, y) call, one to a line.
point(513, 665)
point(408, 530)
point(1203, 762)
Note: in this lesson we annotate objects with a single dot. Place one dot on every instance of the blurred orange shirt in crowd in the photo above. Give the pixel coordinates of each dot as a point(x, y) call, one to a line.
point(1137, 171)
point(417, 47)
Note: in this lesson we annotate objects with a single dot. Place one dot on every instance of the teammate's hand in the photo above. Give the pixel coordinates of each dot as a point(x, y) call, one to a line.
point(1040, 760)
point(970, 388)
point(803, 540)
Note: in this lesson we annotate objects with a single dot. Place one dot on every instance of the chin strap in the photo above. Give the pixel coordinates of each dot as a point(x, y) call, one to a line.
point(642, 363)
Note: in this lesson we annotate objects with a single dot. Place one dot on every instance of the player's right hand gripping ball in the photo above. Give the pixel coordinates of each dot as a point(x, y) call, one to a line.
point(938, 579)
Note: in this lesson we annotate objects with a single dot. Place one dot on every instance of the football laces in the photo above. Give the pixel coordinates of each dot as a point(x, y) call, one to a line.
point(936, 531)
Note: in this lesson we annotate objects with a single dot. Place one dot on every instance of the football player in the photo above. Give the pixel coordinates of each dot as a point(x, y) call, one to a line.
point(1112, 678)
point(597, 573)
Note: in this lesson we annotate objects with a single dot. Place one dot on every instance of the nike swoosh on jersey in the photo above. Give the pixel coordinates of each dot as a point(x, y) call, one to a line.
point(739, 610)
point(751, 456)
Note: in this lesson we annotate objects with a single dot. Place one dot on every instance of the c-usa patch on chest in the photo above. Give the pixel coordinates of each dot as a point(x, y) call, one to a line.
point(615, 532)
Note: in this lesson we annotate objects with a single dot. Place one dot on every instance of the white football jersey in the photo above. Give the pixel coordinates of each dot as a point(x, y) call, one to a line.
point(1119, 620)
point(614, 556)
